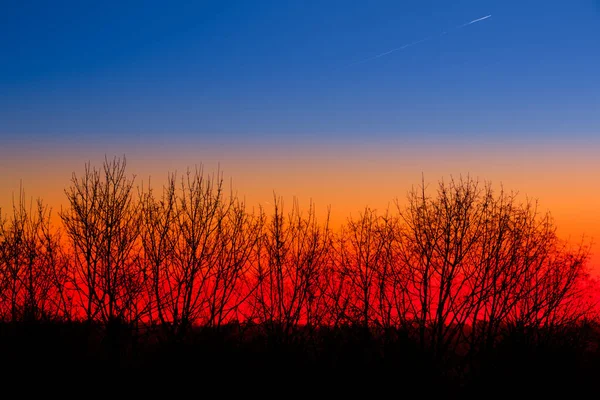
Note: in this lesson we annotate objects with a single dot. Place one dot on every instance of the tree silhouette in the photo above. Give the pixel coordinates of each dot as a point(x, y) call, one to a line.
point(461, 277)
point(102, 223)
point(361, 253)
point(294, 252)
point(33, 272)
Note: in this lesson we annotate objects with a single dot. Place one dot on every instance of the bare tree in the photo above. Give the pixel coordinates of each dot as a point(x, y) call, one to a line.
point(549, 282)
point(238, 237)
point(295, 250)
point(473, 257)
point(102, 223)
point(361, 254)
point(185, 230)
point(159, 240)
point(33, 272)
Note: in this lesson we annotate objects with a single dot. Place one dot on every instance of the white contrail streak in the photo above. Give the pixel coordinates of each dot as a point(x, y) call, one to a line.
point(480, 19)
point(475, 20)
point(391, 51)
point(419, 41)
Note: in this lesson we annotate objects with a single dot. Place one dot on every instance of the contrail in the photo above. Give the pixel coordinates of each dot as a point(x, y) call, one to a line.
point(475, 20)
point(419, 41)
point(392, 50)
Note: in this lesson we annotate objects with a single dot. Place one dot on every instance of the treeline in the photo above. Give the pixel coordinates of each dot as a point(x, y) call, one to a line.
point(454, 268)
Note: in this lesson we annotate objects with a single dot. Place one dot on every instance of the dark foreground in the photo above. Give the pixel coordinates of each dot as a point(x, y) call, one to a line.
point(258, 361)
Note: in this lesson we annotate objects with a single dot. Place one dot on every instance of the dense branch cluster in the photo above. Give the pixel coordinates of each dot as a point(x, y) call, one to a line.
point(452, 268)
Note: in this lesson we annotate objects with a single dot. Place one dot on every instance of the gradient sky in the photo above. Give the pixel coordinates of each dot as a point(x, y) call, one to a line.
point(271, 91)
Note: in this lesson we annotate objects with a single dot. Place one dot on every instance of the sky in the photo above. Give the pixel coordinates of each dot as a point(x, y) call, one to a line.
point(291, 97)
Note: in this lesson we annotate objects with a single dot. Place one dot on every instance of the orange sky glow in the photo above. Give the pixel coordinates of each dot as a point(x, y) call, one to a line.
point(345, 177)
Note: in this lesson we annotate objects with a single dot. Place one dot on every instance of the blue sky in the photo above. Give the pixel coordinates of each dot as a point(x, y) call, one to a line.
point(256, 70)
